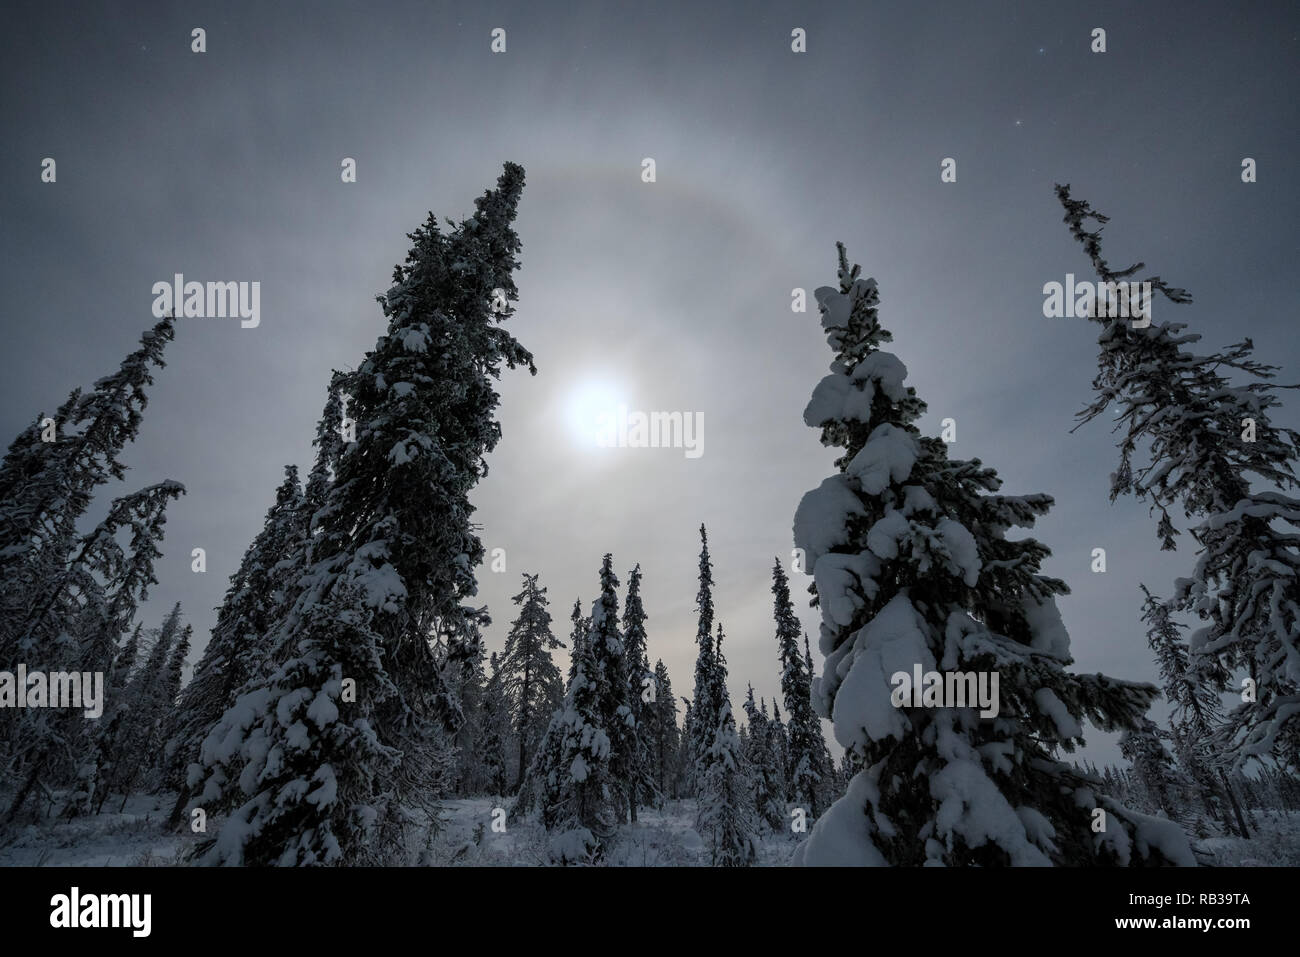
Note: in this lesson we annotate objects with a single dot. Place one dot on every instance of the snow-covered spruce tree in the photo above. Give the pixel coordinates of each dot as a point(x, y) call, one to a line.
point(236, 650)
point(685, 752)
point(1166, 788)
point(610, 674)
point(496, 731)
point(1196, 712)
point(587, 801)
point(255, 622)
point(1200, 443)
point(779, 742)
point(806, 770)
point(133, 749)
point(102, 736)
point(46, 487)
point(530, 679)
point(84, 611)
point(726, 818)
point(702, 718)
point(768, 785)
point(540, 789)
point(165, 726)
point(381, 619)
point(911, 568)
point(67, 599)
point(578, 636)
point(641, 697)
point(664, 736)
point(824, 764)
point(470, 768)
point(291, 574)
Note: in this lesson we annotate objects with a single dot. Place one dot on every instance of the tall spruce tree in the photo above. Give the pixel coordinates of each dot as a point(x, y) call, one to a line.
point(824, 764)
point(1190, 438)
point(664, 736)
point(90, 606)
point(470, 766)
point(806, 770)
point(496, 731)
point(768, 785)
point(686, 751)
point(47, 484)
point(255, 622)
point(68, 599)
point(911, 568)
point(726, 817)
point(541, 786)
point(587, 801)
point(642, 692)
point(236, 651)
point(149, 699)
point(1196, 712)
point(381, 618)
point(703, 715)
point(1165, 786)
point(530, 678)
point(779, 741)
point(611, 677)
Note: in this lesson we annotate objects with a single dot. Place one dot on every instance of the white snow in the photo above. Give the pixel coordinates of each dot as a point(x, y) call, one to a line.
point(1067, 725)
point(892, 641)
point(888, 456)
point(883, 537)
point(842, 836)
point(837, 398)
point(819, 521)
point(844, 584)
point(883, 371)
point(1046, 628)
point(964, 557)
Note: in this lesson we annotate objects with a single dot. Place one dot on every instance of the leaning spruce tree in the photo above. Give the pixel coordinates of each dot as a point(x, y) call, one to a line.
point(258, 606)
point(911, 568)
point(1201, 442)
point(67, 599)
point(1196, 713)
point(235, 649)
point(348, 738)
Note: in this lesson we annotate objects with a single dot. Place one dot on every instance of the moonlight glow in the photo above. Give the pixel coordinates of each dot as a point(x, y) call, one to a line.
point(584, 409)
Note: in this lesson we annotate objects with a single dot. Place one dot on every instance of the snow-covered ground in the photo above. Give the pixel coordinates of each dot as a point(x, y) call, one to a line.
point(138, 836)
point(1276, 843)
point(664, 838)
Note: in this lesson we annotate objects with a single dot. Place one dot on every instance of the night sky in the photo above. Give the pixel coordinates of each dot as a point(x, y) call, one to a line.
point(672, 295)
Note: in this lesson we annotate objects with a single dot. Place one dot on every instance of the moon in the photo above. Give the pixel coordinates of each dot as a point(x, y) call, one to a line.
point(584, 409)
